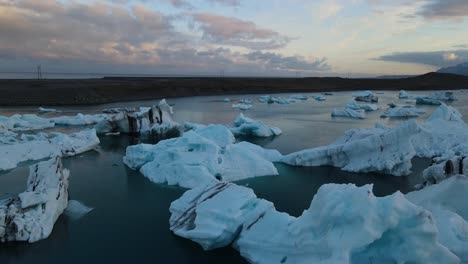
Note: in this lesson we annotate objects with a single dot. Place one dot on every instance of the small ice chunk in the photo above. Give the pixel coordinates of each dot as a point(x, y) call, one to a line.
point(348, 112)
point(248, 127)
point(76, 209)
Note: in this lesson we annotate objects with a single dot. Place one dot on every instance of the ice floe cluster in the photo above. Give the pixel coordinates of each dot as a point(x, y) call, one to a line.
point(434, 98)
point(31, 215)
point(344, 224)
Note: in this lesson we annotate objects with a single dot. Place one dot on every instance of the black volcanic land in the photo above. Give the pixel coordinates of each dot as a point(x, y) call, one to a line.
point(115, 89)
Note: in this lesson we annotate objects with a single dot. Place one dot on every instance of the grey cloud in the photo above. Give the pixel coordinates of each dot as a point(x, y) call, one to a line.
point(236, 32)
point(291, 63)
point(444, 9)
point(433, 58)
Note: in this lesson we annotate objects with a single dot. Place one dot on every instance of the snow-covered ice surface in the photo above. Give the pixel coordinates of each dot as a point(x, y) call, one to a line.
point(447, 203)
point(200, 157)
point(403, 111)
point(32, 214)
point(76, 209)
point(244, 126)
point(42, 146)
point(344, 224)
point(348, 112)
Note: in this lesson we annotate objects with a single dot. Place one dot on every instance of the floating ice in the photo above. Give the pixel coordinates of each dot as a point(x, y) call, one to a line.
point(25, 122)
point(242, 106)
point(319, 98)
point(200, 157)
point(364, 150)
point(32, 214)
point(366, 96)
point(403, 111)
point(447, 203)
point(227, 100)
point(299, 97)
point(442, 95)
point(344, 224)
point(248, 127)
point(427, 101)
point(365, 107)
point(48, 110)
point(405, 95)
point(348, 112)
point(45, 146)
point(76, 209)
point(79, 119)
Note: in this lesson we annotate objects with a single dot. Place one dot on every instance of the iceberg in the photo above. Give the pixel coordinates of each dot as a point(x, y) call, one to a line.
point(79, 119)
point(242, 106)
point(46, 146)
point(156, 120)
point(299, 97)
point(446, 202)
point(282, 100)
point(348, 112)
point(427, 101)
point(76, 209)
point(365, 107)
point(48, 110)
point(445, 169)
point(319, 98)
point(25, 122)
point(31, 215)
point(265, 99)
point(344, 224)
point(200, 157)
point(119, 109)
point(405, 95)
point(403, 111)
point(442, 95)
point(366, 96)
point(246, 101)
point(364, 150)
point(244, 126)
point(227, 100)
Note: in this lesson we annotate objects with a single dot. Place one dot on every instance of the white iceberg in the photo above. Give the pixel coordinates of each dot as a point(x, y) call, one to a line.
point(25, 122)
point(244, 126)
point(365, 96)
point(200, 157)
point(282, 100)
point(365, 107)
point(164, 126)
point(403, 111)
point(48, 110)
point(242, 106)
point(348, 112)
point(443, 95)
point(405, 95)
point(226, 100)
point(344, 224)
point(32, 214)
point(79, 119)
point(245, 101)
point(364, 150)
point(265, 99)
point(45, 146)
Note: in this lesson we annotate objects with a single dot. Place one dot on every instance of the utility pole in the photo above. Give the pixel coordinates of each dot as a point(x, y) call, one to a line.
point(39, 72)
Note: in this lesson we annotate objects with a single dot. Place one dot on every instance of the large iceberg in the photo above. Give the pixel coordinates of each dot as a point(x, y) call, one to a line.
point(344, 224)
point(244, 126)
point(31, 215)
point(25, 122)
point(201, 157)
point(42, 146)
point(348, 112)
point(156, 120)
point(364, 150)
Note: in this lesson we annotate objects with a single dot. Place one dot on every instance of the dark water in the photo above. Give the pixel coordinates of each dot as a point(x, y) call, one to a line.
point(129, 223)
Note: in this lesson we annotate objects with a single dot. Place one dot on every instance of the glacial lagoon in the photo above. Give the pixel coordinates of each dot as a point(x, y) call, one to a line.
point(130, 219)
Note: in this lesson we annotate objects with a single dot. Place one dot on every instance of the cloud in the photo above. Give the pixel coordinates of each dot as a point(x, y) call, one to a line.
point(444, 9)
point(236, 32)
point(329, 9)
point(434, 58)
point(185, 4)
point(291, 63)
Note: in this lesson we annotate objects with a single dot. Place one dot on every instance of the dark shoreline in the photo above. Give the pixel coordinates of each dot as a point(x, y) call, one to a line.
point(117, 89)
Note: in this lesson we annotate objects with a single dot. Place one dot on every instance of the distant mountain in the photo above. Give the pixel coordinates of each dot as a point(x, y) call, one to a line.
point(460, 69)
point(394, 76)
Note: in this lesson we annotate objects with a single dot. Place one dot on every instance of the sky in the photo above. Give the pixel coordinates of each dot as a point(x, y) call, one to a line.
point(348, 38)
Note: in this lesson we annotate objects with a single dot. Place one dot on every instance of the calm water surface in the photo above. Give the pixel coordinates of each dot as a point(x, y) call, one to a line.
point(129, 223)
